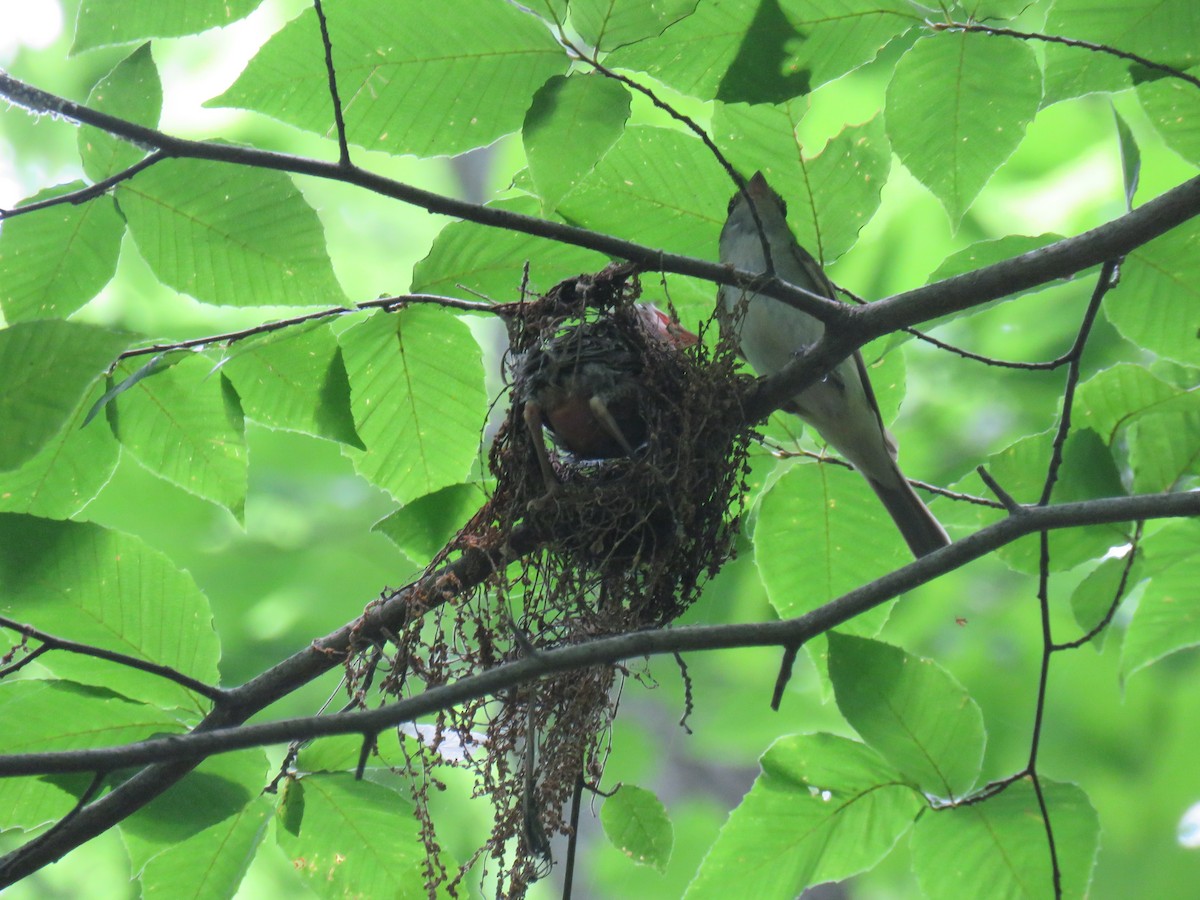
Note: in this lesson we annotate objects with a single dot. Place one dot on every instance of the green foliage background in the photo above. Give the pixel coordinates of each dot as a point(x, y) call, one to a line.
point(273, 487)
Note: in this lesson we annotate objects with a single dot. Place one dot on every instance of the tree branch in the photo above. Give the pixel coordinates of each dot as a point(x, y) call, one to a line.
point(1061, 259)
point(52, 642)
point(1055, 261)
point(240, 703)
point(979, 28)
point(610, 650)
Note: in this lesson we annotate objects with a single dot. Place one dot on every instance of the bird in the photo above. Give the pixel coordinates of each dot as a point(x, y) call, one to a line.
point(583, 386)
point(770, 334)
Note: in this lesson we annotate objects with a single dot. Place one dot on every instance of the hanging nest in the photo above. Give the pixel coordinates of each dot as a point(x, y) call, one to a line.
point(631, 510)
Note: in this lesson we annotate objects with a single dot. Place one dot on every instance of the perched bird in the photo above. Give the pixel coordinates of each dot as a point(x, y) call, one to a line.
point(583, 386)
point(841, 406)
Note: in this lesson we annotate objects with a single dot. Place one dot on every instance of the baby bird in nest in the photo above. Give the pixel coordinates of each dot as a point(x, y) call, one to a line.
point(584, 384)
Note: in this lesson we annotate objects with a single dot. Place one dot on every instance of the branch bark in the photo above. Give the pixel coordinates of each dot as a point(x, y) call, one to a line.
point(174, 757)
point(242, 702)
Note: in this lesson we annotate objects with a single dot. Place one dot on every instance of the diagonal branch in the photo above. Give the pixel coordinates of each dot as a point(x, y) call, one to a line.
point(609, 650)
point(861, 324)
point(52, 642)
point(239, 704)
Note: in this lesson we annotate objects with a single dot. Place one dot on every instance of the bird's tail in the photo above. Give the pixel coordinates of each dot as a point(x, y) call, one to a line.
point(921, 531)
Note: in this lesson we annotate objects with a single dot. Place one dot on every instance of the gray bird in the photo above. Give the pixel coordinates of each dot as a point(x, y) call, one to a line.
point(841, 406)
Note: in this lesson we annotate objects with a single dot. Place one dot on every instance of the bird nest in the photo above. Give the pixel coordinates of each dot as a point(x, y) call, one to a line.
point(622, 542)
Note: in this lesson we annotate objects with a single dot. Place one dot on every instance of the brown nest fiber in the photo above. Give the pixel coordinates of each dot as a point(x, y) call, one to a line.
point(624, 542)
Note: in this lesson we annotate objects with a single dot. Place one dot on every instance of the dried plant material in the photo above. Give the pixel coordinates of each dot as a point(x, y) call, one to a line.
point(632, 506)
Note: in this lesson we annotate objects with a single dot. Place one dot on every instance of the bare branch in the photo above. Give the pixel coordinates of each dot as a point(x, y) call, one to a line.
point(470, 569)
point(976, 27)
point(91, 192)
point(51, 642)
point(389, 304)
point(609, 650)
point(339, 121)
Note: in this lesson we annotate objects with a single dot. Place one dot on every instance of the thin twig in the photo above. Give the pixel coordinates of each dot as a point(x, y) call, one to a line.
point(339, 121)
point(91, 192)
point(976, 27)
point(786, 666)
point(1103, 284)
point(1053, 467)
point(1118, 596)
point(1049, 365)
point(601, 651)
point(52, 642)
point(388, 304)
point(1006, 499)
point(781, 452)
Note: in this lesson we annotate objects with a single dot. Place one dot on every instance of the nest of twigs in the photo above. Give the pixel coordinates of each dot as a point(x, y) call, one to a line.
point(623, 543)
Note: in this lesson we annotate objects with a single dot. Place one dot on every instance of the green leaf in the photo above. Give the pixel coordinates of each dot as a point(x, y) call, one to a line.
point(1175, 542)
point(212, 863)
point(50, 365)
point(586, 113)
point(350, 838)
point(984, 253)
point(101, 23)
point(416, 391)
point(131, 91)
point(159, 362)
point(55, 260)
point(795, 46)
point(1171, 105)
point(88, 584)
point(552, 11)
point(1088, 472)
point(65, 474)
point(202, 809)
point(1100, 592)
point(1167, 618)
point(1076, 72)
point(41, 715)
point(950, 79)
point(821, 532)
point(1166, 31)
point(657, 186)
point(693, 54)
point(295, 380)
point(36, 802)
point(831, 195)
point(183, 425)
point(229, 235)
point(468, 259)
point(1131, 158)
point(823, 809)
point(1164, 445)
point(998, 848)
point(637, 824)
point(341, 752)
point(749, 52)
point(422, 528)
point(911, 710)
point(1157, 305)
point(415, 77)
point(607, 24)
point(1116, 396)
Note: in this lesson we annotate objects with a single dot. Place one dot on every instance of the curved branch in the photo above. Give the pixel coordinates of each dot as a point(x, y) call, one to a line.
point(52, 642)
point(240, 703)
point(1061, 259)
point(607, 651)
point(862, 324)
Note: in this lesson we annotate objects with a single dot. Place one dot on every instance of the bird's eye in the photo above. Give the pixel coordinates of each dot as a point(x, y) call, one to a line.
point(732, 203)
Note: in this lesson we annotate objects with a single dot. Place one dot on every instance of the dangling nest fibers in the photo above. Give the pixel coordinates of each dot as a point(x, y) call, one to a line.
point(624, 544)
